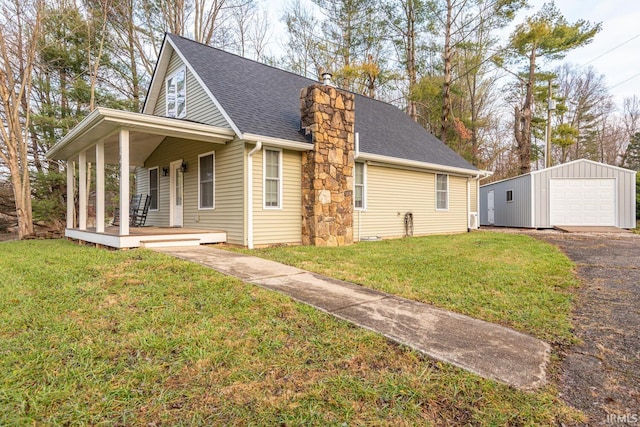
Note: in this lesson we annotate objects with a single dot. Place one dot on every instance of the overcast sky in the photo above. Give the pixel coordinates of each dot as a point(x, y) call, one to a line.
point(620, 24)
point(620, 18)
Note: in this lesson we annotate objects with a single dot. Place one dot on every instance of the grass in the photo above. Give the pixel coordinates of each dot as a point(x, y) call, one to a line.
point(510, 279)
point(93, 337)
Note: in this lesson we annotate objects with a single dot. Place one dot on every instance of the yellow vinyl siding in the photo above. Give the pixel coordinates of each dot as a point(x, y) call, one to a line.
point(228, 214)
point(391, 193)
point(473, 202)
point(200, 108)
point(272, 226)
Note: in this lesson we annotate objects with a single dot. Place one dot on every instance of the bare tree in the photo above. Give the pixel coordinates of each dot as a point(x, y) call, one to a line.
point(209, 16)
point(250, 30)
point(127, 49)
point(582, 121)
point(407, 20)
point(306, 53)
point(20, 25)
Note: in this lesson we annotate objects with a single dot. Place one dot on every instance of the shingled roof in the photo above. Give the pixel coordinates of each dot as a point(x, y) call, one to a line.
point(264, 100)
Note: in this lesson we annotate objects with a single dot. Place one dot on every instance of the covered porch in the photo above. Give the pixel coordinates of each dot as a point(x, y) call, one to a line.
point(147, 237)
point(124, 139)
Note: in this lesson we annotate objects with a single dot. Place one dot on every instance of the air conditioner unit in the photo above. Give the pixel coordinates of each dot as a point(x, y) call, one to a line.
point(473, 220)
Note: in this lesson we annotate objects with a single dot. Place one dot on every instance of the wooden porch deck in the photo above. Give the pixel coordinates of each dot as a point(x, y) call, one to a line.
point(147, 236)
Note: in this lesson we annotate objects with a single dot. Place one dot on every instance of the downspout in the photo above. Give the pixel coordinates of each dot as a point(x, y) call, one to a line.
point(356, 142)
point(478, 200)
point(468, 204)
point(250, 154)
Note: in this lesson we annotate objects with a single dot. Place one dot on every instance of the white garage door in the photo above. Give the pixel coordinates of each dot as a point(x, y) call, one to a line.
point(586, 201)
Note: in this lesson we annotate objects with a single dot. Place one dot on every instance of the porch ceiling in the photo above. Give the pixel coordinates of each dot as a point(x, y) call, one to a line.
point(146, 132)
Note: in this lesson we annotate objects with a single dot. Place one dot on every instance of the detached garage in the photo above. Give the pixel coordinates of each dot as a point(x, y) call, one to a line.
point(578, 193)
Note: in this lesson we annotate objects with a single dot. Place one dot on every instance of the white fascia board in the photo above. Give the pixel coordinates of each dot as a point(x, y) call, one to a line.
point(205, 88)
point(143, 122)
point(113, 119)
point(278, 142)
point(421, 165)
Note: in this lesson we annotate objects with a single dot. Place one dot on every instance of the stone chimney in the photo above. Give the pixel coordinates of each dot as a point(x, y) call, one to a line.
point(328, 115)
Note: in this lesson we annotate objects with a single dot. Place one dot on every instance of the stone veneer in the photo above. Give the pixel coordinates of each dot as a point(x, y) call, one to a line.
point(328, 114)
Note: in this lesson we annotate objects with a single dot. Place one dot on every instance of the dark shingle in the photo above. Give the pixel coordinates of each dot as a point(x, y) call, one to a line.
point(264, 100)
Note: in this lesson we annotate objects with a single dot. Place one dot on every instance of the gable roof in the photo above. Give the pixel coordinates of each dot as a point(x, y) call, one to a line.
point(263, 100)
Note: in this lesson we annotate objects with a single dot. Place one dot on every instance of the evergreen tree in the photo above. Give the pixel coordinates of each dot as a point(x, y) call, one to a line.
point(632, 160)
point(546, 34)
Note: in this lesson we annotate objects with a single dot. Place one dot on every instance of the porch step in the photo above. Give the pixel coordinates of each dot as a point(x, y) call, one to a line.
point(165, 243)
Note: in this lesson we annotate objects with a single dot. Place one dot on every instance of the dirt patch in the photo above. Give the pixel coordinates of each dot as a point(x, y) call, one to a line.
point(601, 375)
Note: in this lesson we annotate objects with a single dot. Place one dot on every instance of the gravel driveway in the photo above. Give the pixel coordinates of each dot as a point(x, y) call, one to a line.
point(601, 375)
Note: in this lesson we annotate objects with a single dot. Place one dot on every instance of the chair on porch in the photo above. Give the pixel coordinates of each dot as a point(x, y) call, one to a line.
point(139, 216)
point(134, 210)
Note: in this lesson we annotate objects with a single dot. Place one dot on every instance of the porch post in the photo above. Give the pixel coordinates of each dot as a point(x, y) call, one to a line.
point(71, 189)
point(100, 187)
point(124, 182)
point(82, 193)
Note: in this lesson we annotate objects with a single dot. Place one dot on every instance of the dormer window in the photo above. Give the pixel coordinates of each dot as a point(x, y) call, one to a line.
point(177, 94)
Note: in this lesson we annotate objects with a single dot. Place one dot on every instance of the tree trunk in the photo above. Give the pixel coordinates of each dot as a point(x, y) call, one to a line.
point(445, 124)
point(524, 137)
point(18, 44)
point(21, 185)
point(412, 108)
point(135, 79)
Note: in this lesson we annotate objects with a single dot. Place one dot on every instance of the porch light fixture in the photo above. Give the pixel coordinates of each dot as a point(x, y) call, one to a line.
point(165, 171)
point(183, 166)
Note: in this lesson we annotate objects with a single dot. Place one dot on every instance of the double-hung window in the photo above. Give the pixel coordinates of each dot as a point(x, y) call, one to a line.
point(206, 177)
point(272, 189)
point(442, 191)
point(153, 189)
point(359, 189)
point(177, 94)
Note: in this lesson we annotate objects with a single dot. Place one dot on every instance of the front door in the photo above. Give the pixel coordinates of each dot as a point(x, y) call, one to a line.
point(490, 207)
point(177, 194)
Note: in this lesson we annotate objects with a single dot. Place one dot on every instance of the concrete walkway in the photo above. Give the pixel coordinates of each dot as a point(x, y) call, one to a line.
point(486, 349)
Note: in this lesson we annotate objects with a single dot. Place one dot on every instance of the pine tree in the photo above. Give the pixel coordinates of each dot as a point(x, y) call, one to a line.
point(546, 34)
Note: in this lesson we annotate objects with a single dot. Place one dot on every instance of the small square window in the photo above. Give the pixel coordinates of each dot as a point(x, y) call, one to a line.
point(509, 195)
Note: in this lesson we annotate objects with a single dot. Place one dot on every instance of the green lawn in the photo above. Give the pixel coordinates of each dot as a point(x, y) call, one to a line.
point(505, 278)
point(94, 337)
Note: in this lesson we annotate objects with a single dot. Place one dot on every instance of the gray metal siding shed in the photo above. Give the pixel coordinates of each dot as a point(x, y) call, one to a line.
point(515, 213)
point(539, 186)
point(625, 189)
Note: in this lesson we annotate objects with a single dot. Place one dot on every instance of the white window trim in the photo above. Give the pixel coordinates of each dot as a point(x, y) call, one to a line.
point(157, 187)
point(264, 178)
point(166, 89)
point(200, 208)
point(506, 195)
point(364, 187)
point(436, 188)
